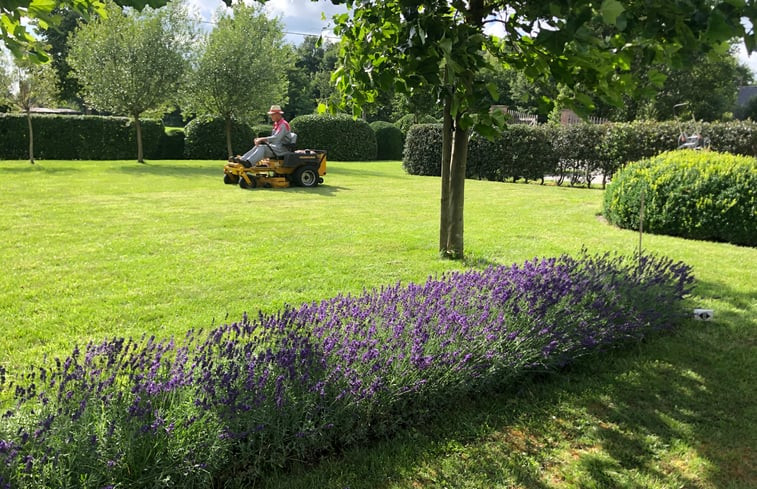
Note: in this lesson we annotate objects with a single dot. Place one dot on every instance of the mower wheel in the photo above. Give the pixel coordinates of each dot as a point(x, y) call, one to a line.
point(306, 176)
point(243, 183)
point(230, 179)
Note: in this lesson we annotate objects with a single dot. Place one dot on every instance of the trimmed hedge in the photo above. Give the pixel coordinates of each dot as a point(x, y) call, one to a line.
point(78, 137)
point(205, 138)
point(572, 153)
point(692, 194)
point(389, 140)
point(171, 145)
point(344, 138)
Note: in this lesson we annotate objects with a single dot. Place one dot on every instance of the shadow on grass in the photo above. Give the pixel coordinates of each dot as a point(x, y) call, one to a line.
point(675, 411)
point(169, 170)
point(363, 172)
point(39, 167)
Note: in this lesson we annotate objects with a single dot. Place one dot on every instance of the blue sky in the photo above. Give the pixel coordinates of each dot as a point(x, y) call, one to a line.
point(305, 17)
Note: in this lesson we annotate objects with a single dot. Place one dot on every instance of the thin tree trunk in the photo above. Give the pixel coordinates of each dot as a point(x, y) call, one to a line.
point(446, 161)
point(229, 149)
point(31, 136)
point(140, 150)
point(457, 192)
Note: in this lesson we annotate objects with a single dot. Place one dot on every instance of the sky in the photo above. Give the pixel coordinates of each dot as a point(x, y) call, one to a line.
point(305, 17)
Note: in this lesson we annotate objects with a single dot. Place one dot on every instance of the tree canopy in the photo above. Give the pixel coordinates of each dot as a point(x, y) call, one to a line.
point(19, 18)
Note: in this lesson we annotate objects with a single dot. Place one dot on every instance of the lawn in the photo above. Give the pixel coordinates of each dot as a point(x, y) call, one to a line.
point(99, 249)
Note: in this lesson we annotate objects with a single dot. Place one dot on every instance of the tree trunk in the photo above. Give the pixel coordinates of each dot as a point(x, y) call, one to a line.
point(31, 136)
point(229, 149)
point(140, 150)
point(459, 159)
point(446, 161)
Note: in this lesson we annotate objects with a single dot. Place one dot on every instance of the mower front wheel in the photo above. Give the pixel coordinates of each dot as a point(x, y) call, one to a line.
point(306, 177)
point(243, 183)
point(230, 179)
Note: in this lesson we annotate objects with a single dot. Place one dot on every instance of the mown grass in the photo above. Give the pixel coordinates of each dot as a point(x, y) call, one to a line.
point(96, 249)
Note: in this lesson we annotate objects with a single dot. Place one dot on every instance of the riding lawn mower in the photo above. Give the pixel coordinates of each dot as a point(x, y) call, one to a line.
point(304, 168)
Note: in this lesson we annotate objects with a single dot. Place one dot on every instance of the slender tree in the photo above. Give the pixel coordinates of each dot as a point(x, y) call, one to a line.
point(439, 46)
point(32, 85)
point(241, 69)
point(132, 63)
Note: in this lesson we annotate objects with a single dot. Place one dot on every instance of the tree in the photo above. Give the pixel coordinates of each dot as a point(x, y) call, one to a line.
point(32, 85)
point(57, 40)
point(16, 16)
point(132, 63)
point(440, 46)
point(310, 76)
point(708, 85)
point(241, 69)
point(5, 83)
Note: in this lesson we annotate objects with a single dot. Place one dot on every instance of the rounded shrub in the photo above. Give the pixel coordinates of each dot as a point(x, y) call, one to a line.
point(423, 150)
point(205, 138)
point(389, 140)
point(407, 121)
point(343, 138)
point(692, 194)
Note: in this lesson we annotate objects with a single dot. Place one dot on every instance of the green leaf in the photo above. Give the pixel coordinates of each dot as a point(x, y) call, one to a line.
point(611, 9)
point(493, 92)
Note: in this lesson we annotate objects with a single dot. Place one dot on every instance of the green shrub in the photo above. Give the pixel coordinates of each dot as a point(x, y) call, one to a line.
point(390, 140)
point(692, 194)
point(407, 121)
point(343, 138)
point(205, 138)
point(68, 137)
point(423, 150)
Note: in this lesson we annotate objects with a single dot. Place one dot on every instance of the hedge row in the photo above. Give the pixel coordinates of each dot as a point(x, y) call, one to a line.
point(572, 152)
point(341, 136)
point(81, 138)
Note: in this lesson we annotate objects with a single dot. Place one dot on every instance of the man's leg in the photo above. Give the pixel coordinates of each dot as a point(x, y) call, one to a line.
point(254, 155)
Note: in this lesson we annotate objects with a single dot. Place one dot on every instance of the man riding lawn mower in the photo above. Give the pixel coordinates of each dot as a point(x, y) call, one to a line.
point(273, 161)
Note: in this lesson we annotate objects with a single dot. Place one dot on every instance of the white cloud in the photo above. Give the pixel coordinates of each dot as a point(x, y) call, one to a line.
point(299, 16)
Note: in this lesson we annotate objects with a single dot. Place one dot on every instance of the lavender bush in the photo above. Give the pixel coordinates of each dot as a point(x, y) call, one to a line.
point(252, 395)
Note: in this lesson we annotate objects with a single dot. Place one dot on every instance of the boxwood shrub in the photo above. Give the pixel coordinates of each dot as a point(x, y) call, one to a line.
point(344, 138)
point(423, 150)
point(205, 138)
point(693, 194)
point(390, 140)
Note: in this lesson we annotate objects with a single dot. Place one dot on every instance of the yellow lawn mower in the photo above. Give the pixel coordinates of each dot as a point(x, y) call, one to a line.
point(303, 168)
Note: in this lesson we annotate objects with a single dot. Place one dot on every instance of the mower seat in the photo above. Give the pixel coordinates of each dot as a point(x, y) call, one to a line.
point(292, 144)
